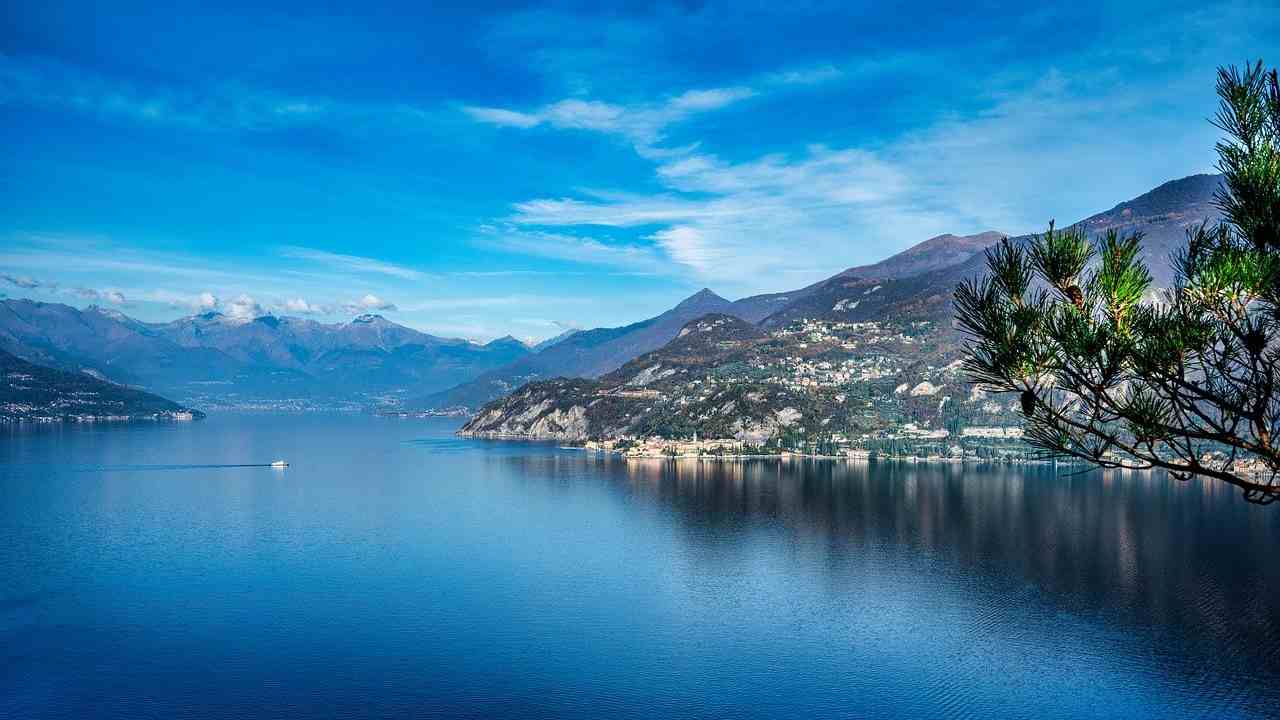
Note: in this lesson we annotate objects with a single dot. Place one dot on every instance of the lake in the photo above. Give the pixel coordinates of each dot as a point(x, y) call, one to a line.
point(395, 570)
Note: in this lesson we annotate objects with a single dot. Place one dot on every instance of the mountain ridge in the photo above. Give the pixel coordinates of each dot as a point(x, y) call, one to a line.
point(34, 393)
point(215, 358)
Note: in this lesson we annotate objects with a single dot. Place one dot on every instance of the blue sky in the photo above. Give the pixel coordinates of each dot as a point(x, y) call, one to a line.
point(528, 167)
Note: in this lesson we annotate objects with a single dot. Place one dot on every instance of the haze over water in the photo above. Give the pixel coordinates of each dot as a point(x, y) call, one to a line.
point(394, 570)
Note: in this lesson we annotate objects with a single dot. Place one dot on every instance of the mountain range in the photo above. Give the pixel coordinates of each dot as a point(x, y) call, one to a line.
point(214, 360)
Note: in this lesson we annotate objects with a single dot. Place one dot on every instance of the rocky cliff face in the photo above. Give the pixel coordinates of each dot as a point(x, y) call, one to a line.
point(551, 410)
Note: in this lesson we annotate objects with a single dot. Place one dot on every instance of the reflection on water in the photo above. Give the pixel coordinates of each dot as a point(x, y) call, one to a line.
point(1189, 562)
point(395, 570)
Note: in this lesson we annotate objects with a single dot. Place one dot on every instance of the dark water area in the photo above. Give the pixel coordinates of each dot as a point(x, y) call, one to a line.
point(396, 571)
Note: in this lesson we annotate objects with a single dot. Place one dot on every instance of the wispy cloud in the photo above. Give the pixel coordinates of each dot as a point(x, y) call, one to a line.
point(811, 211)
point(807, 76)
point(354, 263)
point(211, 107)
point(484, 302)
point(642, 124)
point(727, 219)
point(23, 282)
point(50, 287)
point(573, 248)
point(115, 297)
point(49, 83)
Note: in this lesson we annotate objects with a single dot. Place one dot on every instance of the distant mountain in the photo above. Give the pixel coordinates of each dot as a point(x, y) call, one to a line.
point(34, 393)
point(587, 353)
point(106, 344)
point(509, 342)
point(215, 358)
point(554, 340)
point(368, 354)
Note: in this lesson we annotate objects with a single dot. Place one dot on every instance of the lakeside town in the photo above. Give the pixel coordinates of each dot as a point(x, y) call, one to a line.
point(911, 445)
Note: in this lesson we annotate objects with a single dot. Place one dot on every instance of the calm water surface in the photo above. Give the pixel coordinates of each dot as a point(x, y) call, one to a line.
point(394, 570)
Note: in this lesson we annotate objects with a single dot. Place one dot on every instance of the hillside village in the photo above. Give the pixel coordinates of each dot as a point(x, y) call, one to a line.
point(816, 387)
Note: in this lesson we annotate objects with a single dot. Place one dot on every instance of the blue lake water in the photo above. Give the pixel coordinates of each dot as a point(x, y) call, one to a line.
point(394, 570)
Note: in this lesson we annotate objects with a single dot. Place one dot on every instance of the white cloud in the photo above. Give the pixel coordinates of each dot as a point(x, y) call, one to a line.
point(507, 118)
point(368, 303)
point(244, 307)
point(642, 124)
point(585, 115)
point(704, 100)
point(114, 296)
point(301, 306)
point(688, 246)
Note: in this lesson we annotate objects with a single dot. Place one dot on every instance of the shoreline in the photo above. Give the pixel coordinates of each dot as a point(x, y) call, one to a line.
point(909, 459)
point(857, 456)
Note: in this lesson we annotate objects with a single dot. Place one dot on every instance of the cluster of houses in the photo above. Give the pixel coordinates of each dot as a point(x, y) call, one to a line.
point(907, 442)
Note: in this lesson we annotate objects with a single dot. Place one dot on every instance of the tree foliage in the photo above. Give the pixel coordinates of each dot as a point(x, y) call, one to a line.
point(1120, 374)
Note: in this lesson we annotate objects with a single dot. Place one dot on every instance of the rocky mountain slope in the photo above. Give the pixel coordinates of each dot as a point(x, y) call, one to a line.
point(34, 393)
point(723, 377)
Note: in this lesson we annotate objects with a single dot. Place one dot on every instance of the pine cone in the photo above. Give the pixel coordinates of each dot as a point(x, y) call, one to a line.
point(1255, 341)
point(1028, 402)
point(1077, 297)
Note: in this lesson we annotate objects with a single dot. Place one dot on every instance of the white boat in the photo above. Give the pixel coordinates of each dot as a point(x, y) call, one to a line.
point(279, 464)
